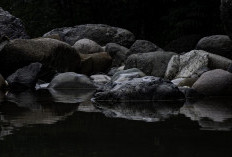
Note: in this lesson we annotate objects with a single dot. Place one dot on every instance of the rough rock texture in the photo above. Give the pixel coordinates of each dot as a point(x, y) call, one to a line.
point(11, 26)
point(146, 88)
point(117, 52)
point(113, 70)
point(152, 63)
point(50, 52)
point(183, 44)
point(216, 44)
point(87, 46)
point(226, 15)
point(143, 46)
point(126, 75)
point(2, 82)
point(214, 83)
point(102, 34)
point(25, 77)
point(100, 80)
point(187, 65)
point(71, 80)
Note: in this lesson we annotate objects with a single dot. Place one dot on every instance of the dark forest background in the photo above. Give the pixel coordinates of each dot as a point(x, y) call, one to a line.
point(160, 21)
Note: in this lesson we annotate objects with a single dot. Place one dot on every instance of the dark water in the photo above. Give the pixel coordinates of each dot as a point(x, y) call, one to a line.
point(65, 123)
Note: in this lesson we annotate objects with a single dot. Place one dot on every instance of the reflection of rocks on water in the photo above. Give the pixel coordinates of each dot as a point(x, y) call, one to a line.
point(27, 108)
point(143, 111)
point(211, 114)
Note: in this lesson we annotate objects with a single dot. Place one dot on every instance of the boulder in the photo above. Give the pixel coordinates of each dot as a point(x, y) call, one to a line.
point(216, 44)
point(147, 88)
point(217, 82)
point(152, 63)
point(25, 77)
point(143, 46)
point(117, 52)
point(95, 63)
point(187, 82)
point(71, 80)
point(113, 70)
point(100, 80)
point(87, 46)
point(50, 52)
point(183, 44)
point(126, 75)
point(190, 93)
point(193, 62)
point(102, 34)
point(11, 26)
point(226, 15)
point(3, 83)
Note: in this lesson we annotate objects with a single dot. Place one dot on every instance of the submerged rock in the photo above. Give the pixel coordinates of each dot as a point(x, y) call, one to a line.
point(87, 46)
point(50, 52)
point(216, 44)
point(118, 53)
point(71, 80)
point(143, 46)
point(152, 63)
point(102, 34)
point(214, 83)
point(11, 26)
point(100, 80)
point(25, 77)
point(147, 88)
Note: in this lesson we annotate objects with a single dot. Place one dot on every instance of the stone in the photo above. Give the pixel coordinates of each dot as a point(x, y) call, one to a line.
point(143, 46)
point(147, 88)
point(100, 33)
point(187, 82)
point(11, 26)
point(126, 75)
point(117, 52)
point(216, 44)
point(216, 82)
point(95, 63)
point(190, 93)
point(113, 70)
point(25, 77)
point(191, 63)
point(183, 44)
point(87, 46)
point(226, 15)
point(71, 80)
point(152, 63)
point(100, 80)
point(50, 52)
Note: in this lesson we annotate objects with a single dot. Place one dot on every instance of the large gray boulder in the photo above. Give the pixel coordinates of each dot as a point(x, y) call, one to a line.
point(143, 46)
point(25, 77)
point(217, 82)
point(87, 46)
point(152, 63)
point(226, 15)
point(11, 26)
point(118, 53)
point(102, 34)
point(216, 44)
point(50, 52)
point(147, 88)
point(71, 80)
point(188, 64)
